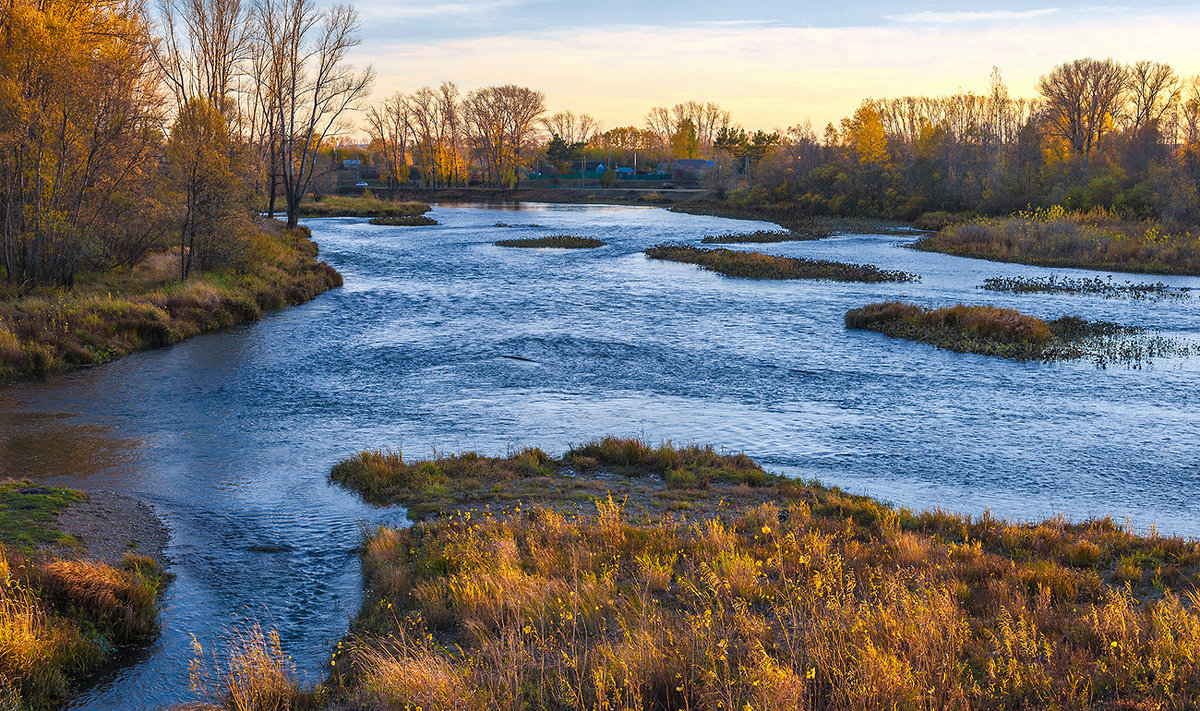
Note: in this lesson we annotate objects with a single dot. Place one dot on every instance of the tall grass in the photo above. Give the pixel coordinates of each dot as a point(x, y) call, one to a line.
point(819, 601)
point(1057, 238)
point(251, 673)
point(756, 265)
point(112, 315)
point(61, 620)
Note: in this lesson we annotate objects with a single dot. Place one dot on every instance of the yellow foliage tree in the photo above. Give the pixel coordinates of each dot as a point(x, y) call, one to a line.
point(864, 134)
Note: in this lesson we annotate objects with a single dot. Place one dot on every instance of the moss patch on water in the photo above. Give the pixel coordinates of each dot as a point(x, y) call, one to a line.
point(404, 221)
point(756, 265)
point(553, 242)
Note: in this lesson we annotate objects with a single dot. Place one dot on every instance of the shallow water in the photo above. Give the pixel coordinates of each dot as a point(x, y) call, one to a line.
point(231, 435)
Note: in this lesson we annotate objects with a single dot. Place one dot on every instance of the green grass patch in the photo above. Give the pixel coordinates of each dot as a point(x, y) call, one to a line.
point(756, 265)
point(28, 511)
point(554, 242)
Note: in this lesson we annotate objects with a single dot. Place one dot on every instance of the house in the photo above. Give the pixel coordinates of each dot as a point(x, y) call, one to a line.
point(594, 167)
point(624, 172)
point(690, 169)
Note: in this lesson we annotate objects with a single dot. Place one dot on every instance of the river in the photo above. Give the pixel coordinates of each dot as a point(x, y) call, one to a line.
point(440, 341)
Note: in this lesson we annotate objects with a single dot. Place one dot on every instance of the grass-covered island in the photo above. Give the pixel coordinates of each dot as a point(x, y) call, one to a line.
point(404, 221)
point(766, 237)
point(63, 618)
point(1007, 333)
point(756, 265)
point(365, 206)
point(1056, 238)
point(553, 242)
point(645, 577)
point(110, 314)
point(1094, 286)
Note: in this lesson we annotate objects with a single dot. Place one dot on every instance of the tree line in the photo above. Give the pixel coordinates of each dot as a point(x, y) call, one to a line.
point(125, 129)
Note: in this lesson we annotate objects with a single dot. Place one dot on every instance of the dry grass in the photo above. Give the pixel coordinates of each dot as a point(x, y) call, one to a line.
point(811, 599)
point(253, 673)
point(1056, 238)
point(61, 620)
point(111, 315)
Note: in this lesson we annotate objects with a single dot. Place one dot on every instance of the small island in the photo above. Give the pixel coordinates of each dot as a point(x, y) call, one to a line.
point(403, 221)
point(554, 242)
point(986, 330)
point(767, 237)
point(756, 265)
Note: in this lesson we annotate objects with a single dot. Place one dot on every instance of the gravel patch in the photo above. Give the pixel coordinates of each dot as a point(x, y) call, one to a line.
point(109, 524)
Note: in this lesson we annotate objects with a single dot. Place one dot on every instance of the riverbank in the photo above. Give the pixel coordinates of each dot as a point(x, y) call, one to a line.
point(107, 316)
point(1056, 238)
point(81, 578)
point(642, 576)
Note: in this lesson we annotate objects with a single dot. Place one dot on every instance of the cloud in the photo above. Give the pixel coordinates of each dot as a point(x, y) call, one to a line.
point(776, 76)
point(410, 9)
point(930, 17)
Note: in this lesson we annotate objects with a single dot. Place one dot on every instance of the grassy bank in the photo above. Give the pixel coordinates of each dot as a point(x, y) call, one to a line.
point(365, 206)
point(984, 329)
point(106, 316)
point(759, 593)
point(756, 265)
point(554, 242)
point(62, 620)
point(1055, 238)
point(404, 221)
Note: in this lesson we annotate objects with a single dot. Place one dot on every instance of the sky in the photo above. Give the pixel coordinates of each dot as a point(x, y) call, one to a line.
point(773, 64)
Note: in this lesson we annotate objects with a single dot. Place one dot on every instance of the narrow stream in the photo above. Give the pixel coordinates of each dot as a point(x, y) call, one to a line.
point(230, 436)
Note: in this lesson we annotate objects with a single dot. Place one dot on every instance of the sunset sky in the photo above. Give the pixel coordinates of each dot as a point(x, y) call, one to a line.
point(772, 63)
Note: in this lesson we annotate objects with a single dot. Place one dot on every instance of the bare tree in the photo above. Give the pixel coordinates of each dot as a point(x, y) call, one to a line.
point(312, 84)
point(501, 124)
point(571, 127)
point(1155, 90)
point(203, 44)
point(1081, 99)
point(389, 122)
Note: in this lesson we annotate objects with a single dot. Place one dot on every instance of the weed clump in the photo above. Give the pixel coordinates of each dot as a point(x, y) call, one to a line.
point(756, 265)
point(555, 242)
point(404, 221)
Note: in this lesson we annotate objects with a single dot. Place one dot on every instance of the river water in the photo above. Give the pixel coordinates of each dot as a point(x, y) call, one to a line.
point(440, 341)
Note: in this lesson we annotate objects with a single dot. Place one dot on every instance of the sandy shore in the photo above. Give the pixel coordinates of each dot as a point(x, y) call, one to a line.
point(109, 525)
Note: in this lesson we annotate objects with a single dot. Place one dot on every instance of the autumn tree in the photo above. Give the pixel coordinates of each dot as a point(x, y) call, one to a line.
point(203, 168)
point(1081, 100)
point(79, 114)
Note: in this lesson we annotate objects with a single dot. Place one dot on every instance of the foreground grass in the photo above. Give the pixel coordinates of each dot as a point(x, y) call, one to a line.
point(554, 242)
point(763, 593)
point(1055, 238)
point(756, 265)
point(110, 315)
point(62, 620)
point(366, 206)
